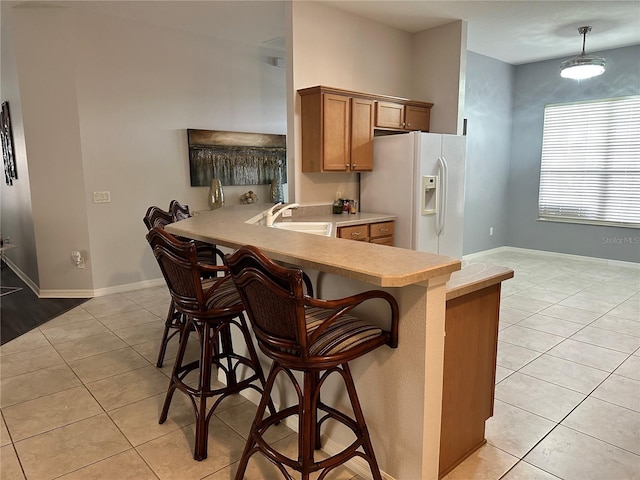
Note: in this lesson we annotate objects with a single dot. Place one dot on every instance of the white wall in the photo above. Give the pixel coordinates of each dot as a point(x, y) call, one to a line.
point(337, 49)
point(44, 50)
point(16, 218)
point(439, 72)
point(107, 102)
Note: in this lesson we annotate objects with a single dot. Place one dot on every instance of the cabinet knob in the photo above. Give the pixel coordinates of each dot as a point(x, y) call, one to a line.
point(355, 234)
point(384, 230)
point(408, 125)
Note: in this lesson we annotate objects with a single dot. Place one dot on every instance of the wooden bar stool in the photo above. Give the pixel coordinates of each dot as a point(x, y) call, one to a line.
point(209, 254)
point(312, 336)
point(211, 309)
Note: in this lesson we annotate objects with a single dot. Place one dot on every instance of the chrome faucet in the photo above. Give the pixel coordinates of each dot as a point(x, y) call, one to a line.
point(271, 217)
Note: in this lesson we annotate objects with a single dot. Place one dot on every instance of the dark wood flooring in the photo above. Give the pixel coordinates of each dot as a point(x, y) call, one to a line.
point(21, 310)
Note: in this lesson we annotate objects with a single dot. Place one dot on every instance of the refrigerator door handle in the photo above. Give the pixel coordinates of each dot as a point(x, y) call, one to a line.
point(442, 208)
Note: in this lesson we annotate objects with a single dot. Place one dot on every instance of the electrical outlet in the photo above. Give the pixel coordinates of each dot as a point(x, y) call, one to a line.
point(77, 259)
point(490, 231)
point(287, 213)
point(101, 197)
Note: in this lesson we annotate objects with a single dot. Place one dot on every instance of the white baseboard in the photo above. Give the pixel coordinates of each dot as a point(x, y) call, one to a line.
point(471, 256)
point(66, 294)
point(22, 276)
point(600, 261)
point(128, 287)
point(101, 292)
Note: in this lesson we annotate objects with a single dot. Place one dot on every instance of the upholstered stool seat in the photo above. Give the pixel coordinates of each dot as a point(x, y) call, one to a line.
point(317, 338)
point(211, 307)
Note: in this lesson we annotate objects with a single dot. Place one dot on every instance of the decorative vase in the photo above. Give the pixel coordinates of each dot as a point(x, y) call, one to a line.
point(216, 194)
point(277, 192)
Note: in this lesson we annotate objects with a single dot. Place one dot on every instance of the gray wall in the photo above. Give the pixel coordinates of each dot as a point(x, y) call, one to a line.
point(538, 84)
point(488, 109)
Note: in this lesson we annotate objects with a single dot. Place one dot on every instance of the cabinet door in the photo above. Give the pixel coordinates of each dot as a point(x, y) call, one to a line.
point(335, 124)
point(470, 352)
point(362, 114)
point(417, 118)
point(389, 115)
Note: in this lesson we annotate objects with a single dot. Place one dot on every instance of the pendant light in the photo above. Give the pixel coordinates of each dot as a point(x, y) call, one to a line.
point(583, 66)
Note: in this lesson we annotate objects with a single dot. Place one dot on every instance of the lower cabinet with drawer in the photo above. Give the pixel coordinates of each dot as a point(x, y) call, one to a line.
point(381, 233)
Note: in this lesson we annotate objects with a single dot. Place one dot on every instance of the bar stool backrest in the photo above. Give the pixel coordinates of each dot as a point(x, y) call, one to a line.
point(156, 217)
point(178, 211)
point(178, 262)
point(274, 300)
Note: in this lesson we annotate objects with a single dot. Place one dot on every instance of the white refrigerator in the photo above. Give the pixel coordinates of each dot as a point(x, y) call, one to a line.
point(419, 177)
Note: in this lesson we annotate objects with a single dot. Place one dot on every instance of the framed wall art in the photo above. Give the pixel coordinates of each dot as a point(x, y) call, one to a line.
point(236, 158)
point(8, 151)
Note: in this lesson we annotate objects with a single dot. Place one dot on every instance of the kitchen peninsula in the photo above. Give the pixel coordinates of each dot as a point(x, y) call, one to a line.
point(401, 390)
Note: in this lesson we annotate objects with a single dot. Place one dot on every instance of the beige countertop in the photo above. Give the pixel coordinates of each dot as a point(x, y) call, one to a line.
point(233, 226)
point(475, 276)
point(368, 262)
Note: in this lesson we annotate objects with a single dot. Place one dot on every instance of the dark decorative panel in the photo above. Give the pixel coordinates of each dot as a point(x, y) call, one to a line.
point(236, 158)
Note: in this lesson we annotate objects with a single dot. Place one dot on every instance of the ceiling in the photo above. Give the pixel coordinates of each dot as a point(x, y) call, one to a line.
point(512, 31)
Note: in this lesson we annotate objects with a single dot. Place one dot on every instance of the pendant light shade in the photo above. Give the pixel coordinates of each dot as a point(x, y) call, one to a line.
point(583, 66)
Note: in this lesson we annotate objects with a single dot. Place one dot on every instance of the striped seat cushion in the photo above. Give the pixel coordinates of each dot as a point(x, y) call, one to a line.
point(345, 333)
point(225, 296)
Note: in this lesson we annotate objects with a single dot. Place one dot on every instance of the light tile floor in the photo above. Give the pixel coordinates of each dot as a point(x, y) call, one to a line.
point(567, 400)
point(80, 396)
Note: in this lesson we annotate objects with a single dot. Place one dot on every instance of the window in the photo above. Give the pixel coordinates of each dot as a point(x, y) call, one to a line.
point(590, 170)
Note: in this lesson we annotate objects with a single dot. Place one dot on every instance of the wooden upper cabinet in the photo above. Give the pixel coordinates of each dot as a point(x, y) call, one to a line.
point(399, 116)
point(362, 115)
point(337, 132)
point(338, 126)
point(417, 117)
point(389, 115)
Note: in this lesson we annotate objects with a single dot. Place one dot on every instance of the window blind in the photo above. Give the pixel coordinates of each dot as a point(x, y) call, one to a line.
point(590, 167)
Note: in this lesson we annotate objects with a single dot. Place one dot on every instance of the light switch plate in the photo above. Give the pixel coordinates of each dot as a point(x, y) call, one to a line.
point(101, 197)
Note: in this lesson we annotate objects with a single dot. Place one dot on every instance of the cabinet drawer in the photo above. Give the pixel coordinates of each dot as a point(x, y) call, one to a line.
point(383, 241)
point(356, 232)
point(383, 229)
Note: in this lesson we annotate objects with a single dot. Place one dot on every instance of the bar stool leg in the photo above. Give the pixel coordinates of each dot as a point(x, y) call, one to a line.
point(165, 335)
point(253, 356)
point(204, 387)
point(364, 432)
point(307, 429)
point(253, 433)
point(184, 338)
point(316, 392)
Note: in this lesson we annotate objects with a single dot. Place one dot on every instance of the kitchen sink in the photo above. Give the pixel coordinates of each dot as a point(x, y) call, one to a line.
point(315, 228)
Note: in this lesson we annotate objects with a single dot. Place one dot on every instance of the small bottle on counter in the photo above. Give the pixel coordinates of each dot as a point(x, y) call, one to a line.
point(345, 205)
point(337, 206)
point(353, 206)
